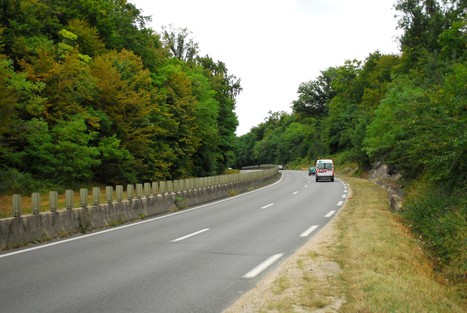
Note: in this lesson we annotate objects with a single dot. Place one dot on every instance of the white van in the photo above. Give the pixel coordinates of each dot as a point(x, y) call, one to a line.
point(324, 169)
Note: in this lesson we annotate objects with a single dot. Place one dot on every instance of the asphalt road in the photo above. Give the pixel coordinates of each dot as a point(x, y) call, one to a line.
point(196, 260)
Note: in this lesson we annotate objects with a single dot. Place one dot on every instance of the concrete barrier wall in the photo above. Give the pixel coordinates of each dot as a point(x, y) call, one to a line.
point(21, 230)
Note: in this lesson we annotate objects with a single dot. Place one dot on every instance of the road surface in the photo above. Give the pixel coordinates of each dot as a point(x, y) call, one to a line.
point(197, 260)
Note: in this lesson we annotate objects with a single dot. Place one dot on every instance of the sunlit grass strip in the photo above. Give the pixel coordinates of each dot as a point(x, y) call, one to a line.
point(383, 267)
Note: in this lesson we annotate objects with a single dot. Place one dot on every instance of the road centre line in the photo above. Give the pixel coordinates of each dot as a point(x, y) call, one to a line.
point(330, 214)
point(307, 232)
point(295, 193)
point(190, 235)
point(267, 206)
point(264, 265)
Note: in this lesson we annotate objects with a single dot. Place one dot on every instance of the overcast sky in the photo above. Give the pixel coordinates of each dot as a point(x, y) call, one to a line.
point(274, 45)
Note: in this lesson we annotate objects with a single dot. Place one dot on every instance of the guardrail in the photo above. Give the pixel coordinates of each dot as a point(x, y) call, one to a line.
point(137, 191)
point(142, 200)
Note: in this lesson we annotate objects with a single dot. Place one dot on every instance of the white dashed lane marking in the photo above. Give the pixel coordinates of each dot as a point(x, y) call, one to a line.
point(190, 235)
point(307, 232)
point(264, 265)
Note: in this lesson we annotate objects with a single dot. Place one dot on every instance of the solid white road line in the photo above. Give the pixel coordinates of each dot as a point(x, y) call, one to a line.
point(307, 232)
point(268, 262)
point(330, 214)
point(191, 235)
point(267, 206)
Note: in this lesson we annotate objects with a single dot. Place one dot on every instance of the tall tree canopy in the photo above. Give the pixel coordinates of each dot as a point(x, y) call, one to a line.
point(90, 93)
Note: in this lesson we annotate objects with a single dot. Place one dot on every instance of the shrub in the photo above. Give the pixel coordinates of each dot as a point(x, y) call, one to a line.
point(438, 217)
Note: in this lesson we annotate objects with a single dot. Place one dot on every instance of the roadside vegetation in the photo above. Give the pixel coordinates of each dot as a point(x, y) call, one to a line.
point(407, 111)
point(383, 265)
point(366, 260)
point(90, 95)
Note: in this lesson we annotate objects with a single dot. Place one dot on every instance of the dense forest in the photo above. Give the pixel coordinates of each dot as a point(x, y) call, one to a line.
point(89, 93)
point(408, 111)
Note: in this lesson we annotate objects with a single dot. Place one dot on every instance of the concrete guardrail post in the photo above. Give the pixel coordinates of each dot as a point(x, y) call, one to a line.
point(83, 196)
point(109, 194)
point(119, 190)
point(139, 191)
point(170, 188)
point(163, 187)
point(155, 188)
point(96, 195)
point(69, 197)
point(129, 192)
point(147, 190)
point(176, 185)
point(53, 201)
point(17, 205)
point(36, 202)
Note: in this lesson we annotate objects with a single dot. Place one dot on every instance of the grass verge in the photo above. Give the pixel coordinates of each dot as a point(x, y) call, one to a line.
point(384, 268)
point(366, 260)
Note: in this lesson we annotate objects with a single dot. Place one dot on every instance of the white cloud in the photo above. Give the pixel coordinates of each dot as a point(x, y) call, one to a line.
point(274, 45)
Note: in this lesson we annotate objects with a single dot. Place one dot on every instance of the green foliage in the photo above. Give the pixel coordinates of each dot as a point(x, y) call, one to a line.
point(23, 183)
point(89, 93)
point(63, 153)
point(392, 127)
point(8, 96)
point(438, 217)
point(314, 96)
point(180, 45)
point(408, 111)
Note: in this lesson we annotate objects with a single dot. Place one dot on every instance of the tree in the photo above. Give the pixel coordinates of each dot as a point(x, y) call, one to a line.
point(8, 96)
point(314, 96)
point(342, 108)
point(181, 126)
point(226, 88)
point(87, 37)
point(126, 95)
point(425, 24)
point(177, 41)
point(295, 140)
point(205, 159)
point(63, 153)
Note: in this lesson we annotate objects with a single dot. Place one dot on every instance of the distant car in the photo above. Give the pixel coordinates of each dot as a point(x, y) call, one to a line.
point(281, 167)
point(312, 171)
